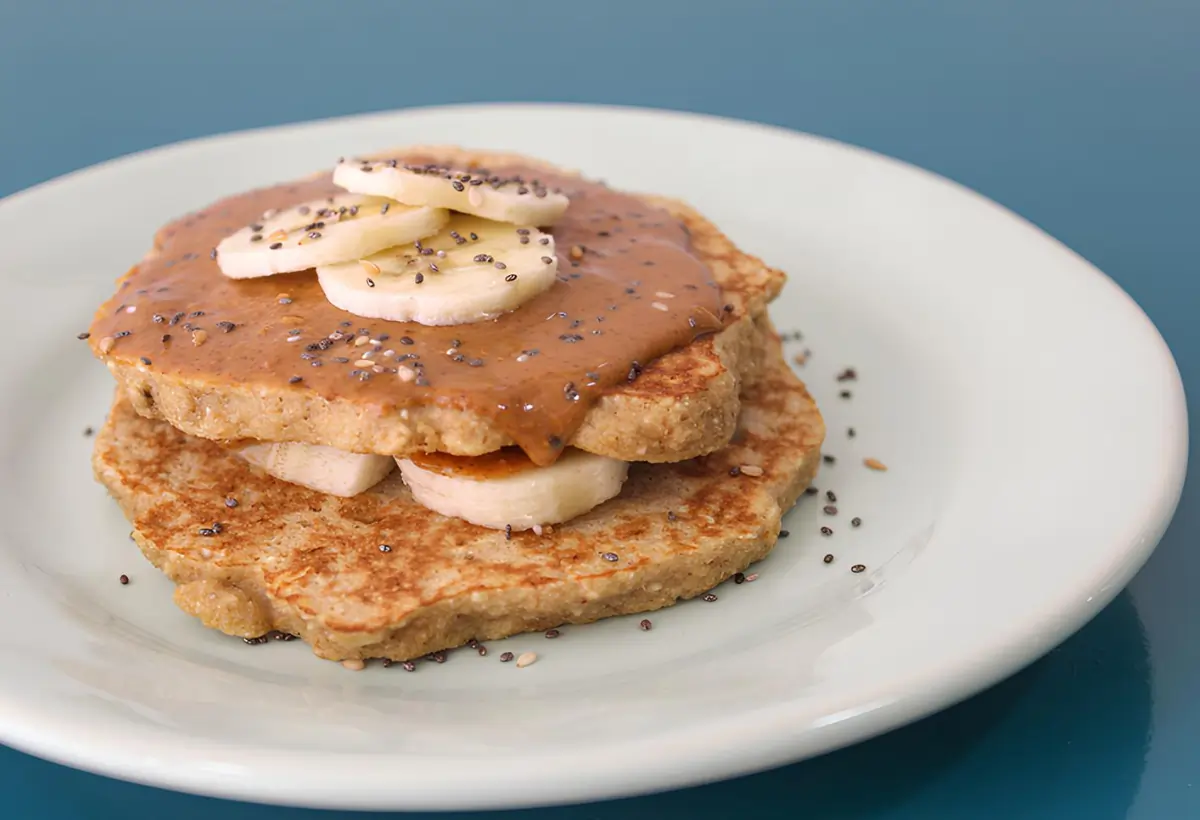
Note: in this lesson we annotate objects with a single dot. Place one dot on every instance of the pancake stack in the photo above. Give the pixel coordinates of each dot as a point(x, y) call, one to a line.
point(441, 396)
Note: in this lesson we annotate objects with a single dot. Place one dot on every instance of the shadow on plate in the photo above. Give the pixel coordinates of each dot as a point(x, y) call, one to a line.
point(1025, 748)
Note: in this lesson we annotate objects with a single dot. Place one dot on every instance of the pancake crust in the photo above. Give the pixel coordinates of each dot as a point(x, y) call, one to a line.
point(295, 560)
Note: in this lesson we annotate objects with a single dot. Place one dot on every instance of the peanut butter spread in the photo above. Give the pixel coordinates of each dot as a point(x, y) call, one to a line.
point(629, 290)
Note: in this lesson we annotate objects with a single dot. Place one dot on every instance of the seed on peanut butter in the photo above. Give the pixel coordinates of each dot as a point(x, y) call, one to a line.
point(107, 344)
point(406, 374)
point(752, 470)
point(199, 337)
point(576, 252)
point(525, 659)
point(361, 341)
point(364, 363)
point(659, 306)
point(662, 294)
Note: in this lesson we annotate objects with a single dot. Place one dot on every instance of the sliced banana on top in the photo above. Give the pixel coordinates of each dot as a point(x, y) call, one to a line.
point(324, 231)
point(320, 468)
point(474, 269)
point(504, 199)
point(518, 495)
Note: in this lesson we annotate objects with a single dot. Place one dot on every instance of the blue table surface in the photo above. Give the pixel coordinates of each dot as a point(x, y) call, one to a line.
point(1081, 116)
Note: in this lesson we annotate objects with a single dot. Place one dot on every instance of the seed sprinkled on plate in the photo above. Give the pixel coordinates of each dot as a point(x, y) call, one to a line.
point(829, 509)
point(710, 597)
point(505, 657)
point(739, 578)
point(826, 531)
point(552, 633)
point(645, 625)
point(751, 578)
point(828, 559)
point(124, 579)
point(526, 659)
point(875, 464)
point(858, 568)
point(856, 522)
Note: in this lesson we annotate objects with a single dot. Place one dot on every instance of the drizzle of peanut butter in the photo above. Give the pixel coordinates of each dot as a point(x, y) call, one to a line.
point(630, 289)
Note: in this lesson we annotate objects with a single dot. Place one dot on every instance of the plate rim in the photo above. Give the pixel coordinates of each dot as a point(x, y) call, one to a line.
point(241, 782)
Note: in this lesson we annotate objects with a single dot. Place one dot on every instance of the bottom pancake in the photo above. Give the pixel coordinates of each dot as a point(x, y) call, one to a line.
point(379, 576)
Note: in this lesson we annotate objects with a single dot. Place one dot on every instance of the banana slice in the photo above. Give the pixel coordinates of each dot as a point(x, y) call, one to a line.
point(348, 226)
point(324, 469)
point(504, 199)
point(474, 270)
point(513, 492)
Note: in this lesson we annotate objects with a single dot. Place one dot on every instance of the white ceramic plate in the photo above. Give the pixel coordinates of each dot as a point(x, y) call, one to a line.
point(1032, 418)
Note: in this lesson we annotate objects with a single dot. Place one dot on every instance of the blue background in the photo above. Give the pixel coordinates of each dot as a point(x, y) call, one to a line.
point(1082, 116)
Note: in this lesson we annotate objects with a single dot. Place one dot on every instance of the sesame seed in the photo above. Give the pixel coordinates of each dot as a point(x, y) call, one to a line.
point(82, 336)
point(752, 470)
point(369, 267)
point(739, 578)
point(735, 471)
point(506, 657)
point(850, 432)
point(362, 341)
point(610, 557)
point(662, 294)
point(409, 666)
point(810, 491)
point(276, 246)
point(659, 306)
point(124, 579)
point(354, 664)
point(419, 278)
point(858, 568)
point(370, 282)
point(710, 597)
point(295, 379)
point(826, 531)
point(482, 650)
point(645, 625)
point(828, 459)
point(856, 522)
point(508, 532)
point(545, 240)
point(829, 509)
point(88, 431)
point(385, 548)
point(145, 361)
point(576, 252)
point(751, 578)
point(501, 266)
point(552, 633)
point(526, 659)
point(107, 344)
point(875, 464)
point(231, 503)
point(800, 359)
point(199, 337)
point(227, 327)
point(784, 533)
point(828, 559)
point(512, 277)
point(848, 375)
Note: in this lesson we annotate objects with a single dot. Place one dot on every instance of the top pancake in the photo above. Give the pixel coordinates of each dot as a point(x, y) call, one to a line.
point(166, 337)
